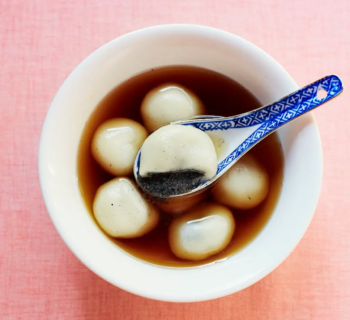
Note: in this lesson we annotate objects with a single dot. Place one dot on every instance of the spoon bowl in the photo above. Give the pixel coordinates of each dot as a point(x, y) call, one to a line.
point(238, 134)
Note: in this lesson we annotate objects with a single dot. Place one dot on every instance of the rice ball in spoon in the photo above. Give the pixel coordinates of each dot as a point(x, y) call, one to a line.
point(121, 211)
point(244, 186)
point(116, 143)
point(167, 103)
point(201, 232)
point(180, 152)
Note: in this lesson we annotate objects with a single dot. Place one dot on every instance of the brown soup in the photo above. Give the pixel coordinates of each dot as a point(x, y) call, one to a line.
point(221, 96)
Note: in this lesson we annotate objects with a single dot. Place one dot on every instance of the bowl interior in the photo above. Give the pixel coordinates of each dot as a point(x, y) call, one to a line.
point(128, 56)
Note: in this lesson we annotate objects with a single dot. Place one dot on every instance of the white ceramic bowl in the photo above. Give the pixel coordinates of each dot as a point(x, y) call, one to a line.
point(130, 55)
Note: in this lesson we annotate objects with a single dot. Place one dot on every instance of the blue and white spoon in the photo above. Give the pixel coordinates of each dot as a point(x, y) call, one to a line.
point(242, 132)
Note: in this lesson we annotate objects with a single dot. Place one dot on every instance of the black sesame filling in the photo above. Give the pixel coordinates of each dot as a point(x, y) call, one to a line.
point(166, 184)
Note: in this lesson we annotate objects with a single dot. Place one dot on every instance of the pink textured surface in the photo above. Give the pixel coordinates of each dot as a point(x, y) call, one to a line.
point(42, 41)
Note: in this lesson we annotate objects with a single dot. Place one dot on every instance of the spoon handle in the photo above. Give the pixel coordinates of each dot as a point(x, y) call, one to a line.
point(277, 114)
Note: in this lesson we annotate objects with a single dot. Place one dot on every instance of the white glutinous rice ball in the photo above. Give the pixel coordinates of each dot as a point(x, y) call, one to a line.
point(167, 103)
point(244, 186)
point(121, 211)
point(116, 143)
point(201, 232)
point(178, 147)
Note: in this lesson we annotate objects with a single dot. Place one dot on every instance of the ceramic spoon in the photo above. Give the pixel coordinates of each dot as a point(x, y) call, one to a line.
point(238, 134)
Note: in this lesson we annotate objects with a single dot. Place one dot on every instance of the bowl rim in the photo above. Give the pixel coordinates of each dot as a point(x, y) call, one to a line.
point(45, 182)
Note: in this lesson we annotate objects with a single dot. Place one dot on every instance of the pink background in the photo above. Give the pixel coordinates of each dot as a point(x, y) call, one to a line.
point(42, 41)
